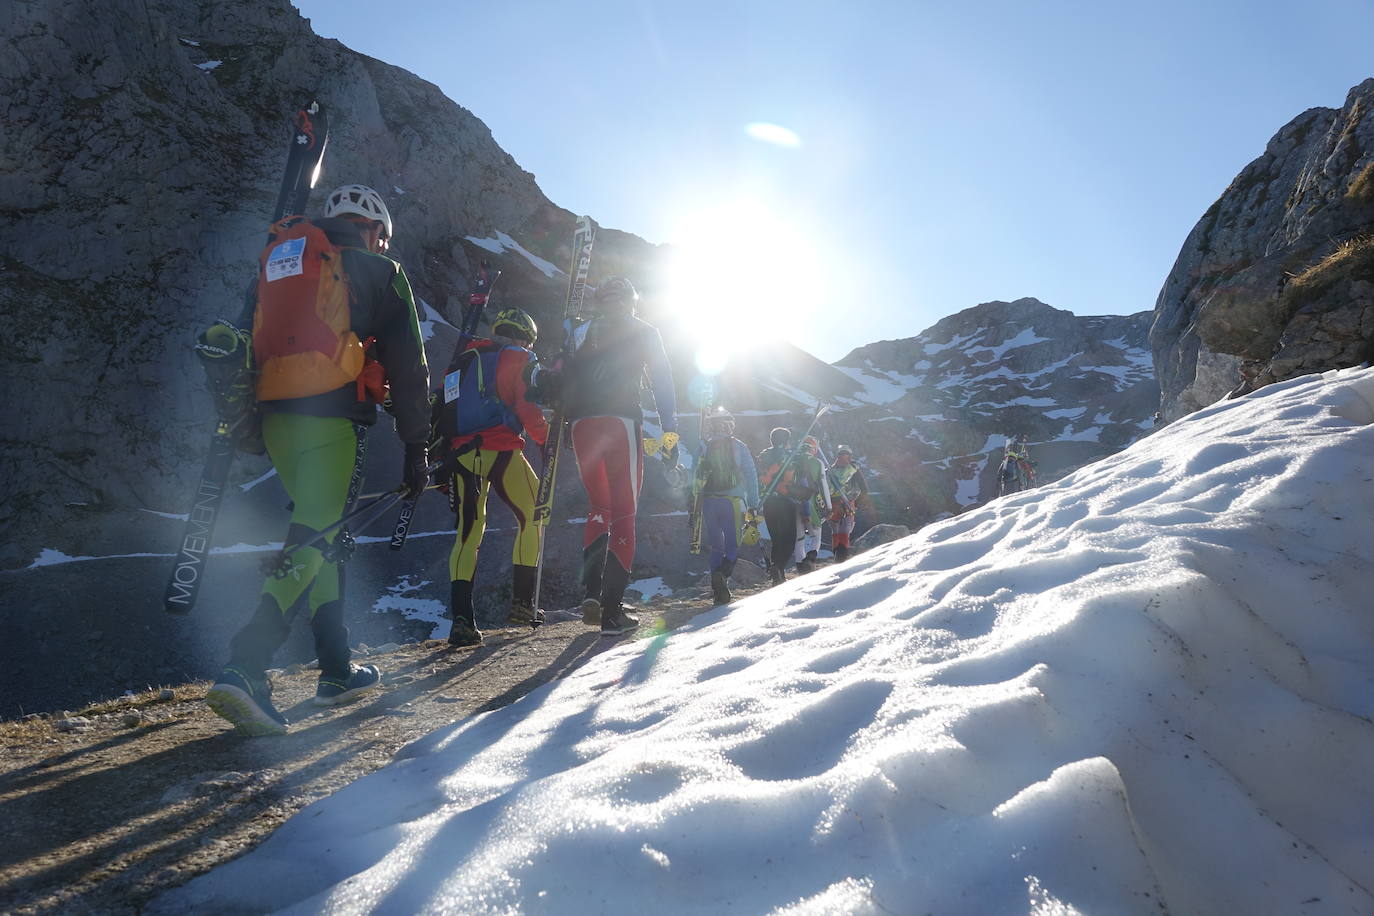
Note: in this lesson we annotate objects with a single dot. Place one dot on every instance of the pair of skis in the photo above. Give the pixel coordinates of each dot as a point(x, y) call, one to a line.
point(583, 237)
point(309, 137)
point(836, 488)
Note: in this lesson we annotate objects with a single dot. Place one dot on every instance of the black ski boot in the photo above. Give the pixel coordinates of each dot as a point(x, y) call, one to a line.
point(593, 571)
point(522, 609)
point(841, 552)
point(778, 575)
point(720, 583)
point(464, 632)
point(614, 619)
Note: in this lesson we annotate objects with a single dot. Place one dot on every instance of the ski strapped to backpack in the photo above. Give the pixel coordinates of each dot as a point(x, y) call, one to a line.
point(309, 137)
point(836, 487)
point(583, 237)
point(793, 452)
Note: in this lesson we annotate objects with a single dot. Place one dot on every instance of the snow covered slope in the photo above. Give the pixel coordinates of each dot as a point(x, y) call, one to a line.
point(1144, 688)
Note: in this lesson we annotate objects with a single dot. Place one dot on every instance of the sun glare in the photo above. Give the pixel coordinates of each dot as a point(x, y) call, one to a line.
point(740, 273)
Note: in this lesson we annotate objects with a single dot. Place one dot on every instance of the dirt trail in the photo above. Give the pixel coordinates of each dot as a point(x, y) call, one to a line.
point(147, 792)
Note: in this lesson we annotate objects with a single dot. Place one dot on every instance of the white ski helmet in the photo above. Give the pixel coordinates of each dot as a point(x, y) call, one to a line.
point(616, 295)
point(359, 199)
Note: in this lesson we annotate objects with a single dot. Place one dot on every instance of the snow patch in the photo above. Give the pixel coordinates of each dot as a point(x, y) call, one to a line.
point(503, 243)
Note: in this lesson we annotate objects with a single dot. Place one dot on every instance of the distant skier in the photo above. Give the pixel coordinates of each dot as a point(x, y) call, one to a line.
point(795, 480)
point(492, 412)
point(601, 383)
point(808, 474)
point(1017, 471)
point(779, 512)
point(325, 293)
point(729, 485)
point(846, 503)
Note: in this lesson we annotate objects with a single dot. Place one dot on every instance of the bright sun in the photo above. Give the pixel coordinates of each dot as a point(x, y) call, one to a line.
point(740, 273)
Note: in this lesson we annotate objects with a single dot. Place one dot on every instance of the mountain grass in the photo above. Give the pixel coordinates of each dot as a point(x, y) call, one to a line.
point(1353, 259)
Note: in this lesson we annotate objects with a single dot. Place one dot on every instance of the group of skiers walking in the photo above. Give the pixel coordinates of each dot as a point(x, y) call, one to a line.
point(335, 334)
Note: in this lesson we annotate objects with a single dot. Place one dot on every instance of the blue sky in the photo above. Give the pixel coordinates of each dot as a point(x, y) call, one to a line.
point(949, 154)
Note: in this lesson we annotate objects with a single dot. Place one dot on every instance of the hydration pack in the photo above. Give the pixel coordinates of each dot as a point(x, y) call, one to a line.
point(719, 470)
point(470, 394)
point(303, 342)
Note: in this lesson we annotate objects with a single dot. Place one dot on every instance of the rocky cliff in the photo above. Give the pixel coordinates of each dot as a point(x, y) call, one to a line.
point(142, 151)
point(1277, 278)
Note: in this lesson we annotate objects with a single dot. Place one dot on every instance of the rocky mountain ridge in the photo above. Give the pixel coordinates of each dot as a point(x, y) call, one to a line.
point(937, 409)
point(1277, 278)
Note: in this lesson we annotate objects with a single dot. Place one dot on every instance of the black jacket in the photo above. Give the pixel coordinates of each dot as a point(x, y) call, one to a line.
point(612, 356)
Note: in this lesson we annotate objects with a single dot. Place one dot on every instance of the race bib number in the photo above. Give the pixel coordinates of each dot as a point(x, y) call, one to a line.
point(285, 260)
point(451, 387)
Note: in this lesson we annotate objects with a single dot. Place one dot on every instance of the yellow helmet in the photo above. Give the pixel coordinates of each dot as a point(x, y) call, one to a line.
point(515, 323)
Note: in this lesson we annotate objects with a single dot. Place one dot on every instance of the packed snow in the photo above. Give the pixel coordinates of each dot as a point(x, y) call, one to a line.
point(1143, 688)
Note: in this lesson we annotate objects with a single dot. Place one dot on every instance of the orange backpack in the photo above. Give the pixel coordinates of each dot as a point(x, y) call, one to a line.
point(303, 342)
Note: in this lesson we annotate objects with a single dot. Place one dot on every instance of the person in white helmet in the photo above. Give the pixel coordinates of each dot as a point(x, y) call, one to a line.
point(335, 333)
point(601, 394)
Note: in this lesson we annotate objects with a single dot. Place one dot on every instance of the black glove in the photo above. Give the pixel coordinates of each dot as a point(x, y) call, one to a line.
point(544, 385)
point(415, 473)
point(670, 456)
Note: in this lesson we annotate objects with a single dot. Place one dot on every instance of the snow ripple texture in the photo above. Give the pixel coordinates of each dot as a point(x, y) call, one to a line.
point(1143, 688)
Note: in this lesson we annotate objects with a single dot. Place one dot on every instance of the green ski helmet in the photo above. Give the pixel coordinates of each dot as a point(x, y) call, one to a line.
point(515, 323)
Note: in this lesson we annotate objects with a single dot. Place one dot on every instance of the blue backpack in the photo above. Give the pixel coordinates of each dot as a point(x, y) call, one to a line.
point(471, 389)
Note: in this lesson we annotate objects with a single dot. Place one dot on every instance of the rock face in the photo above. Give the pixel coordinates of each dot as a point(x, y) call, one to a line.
point(143, 148)
point(1277, 278)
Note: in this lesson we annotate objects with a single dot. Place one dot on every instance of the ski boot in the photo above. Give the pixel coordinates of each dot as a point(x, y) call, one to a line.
point(617, 621)
point(246, 703)
point(337, 691)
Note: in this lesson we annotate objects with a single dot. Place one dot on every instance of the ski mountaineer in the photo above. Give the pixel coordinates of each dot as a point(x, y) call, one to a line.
point(806, 479)
point(493, 412)
point(779, 510)
point(728, 484)
point(610, 354)
point(326, 292)
point(1017, 471)
point(852, 486)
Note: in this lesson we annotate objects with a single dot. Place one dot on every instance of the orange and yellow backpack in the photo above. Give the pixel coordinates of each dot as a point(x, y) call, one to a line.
point(303, 342)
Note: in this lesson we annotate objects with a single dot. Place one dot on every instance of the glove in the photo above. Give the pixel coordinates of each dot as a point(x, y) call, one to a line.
point(415, 473)
point(670, 454)
point(652, 446)
point(543, 385)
